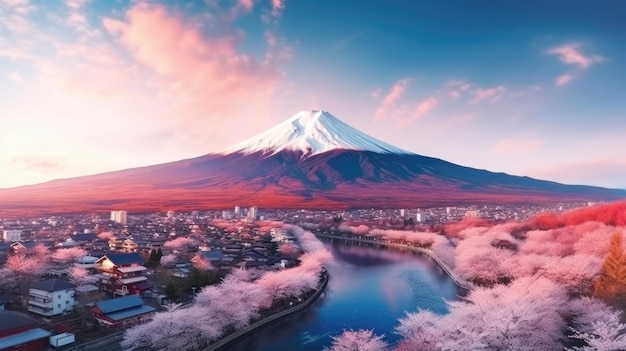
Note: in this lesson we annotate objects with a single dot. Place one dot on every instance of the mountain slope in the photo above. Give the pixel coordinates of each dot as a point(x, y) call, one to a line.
point(312, 160)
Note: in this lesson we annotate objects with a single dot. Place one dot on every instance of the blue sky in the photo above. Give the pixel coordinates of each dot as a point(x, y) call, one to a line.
point(529, 88)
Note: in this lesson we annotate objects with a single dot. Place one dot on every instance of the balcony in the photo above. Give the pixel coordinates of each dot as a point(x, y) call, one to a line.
point(43, 304)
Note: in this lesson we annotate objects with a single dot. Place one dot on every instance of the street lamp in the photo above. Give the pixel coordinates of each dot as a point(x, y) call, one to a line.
point(193, 291)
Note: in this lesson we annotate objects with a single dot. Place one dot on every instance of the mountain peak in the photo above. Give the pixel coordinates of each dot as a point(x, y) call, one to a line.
point(312, 132)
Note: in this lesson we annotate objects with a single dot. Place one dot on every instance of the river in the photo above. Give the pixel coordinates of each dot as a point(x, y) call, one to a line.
point(369, 288)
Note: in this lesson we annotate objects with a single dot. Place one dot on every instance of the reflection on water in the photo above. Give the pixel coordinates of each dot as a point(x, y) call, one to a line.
point(368, 288)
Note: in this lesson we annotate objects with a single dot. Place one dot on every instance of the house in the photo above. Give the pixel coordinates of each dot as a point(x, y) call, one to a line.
point(122, 274)
point(51, 297)
point(84, 238)
point(22, 246)
point(20, 332)
point(122, 312)
point(86, 262)
point(504, 244)
point(212, 256)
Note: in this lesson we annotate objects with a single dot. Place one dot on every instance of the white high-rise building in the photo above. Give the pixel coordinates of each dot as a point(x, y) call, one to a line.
point(171, 214)
point(11, 235)
point(402, 212)
point(237, 211)
point(119, 217)
point(421, 217)
point(253, 212)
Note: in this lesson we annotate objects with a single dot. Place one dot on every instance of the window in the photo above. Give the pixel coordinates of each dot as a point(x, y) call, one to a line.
point(59, 296)
point(67, 302)
point(59, 305)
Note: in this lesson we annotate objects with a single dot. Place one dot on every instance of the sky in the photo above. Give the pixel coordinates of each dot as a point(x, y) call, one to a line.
point(532, 88)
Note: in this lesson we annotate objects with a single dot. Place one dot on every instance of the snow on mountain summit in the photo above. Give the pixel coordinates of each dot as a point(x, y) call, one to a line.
point(312, 132)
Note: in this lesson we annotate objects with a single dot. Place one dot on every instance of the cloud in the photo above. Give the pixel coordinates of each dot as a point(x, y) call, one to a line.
point(246, 4)
point(76, 4)
point(277, 7)
point(203, 76)
point(563, 79)
point(571, 55)
point(424, 107)
point(395, 93)
point(23, 7)
point(491, 95)
point(404, 116)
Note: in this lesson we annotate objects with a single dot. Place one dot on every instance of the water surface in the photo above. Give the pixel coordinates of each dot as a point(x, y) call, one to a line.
point(369, 288)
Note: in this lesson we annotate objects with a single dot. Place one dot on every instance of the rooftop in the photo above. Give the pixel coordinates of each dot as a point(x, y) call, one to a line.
point(122, 259)
point(12, 320)
point(53, 284)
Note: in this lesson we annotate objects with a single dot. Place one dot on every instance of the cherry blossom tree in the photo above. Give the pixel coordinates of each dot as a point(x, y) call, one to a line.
point(288, 250)
point(358, 340)
point(179, 243)
point(21, 270)
point(106, 236)
point(201, 263)
point(168, 259)
point(524, 315)
point(68, 254)
point(606, 333)
point(231, 305)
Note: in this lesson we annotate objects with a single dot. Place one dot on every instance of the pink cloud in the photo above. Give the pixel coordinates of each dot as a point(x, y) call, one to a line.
point(395, 93)
point(203, 76)
point(277, 7)
point(563, 79)
point(23, 7)
point(491, 95)
point(571, 55)
point(76, 4)
point(77, 19)
point(424, 107)
point(246, 4)
point(404, 116)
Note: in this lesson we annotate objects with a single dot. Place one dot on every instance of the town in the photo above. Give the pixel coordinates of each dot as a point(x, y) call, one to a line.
point(68, 280)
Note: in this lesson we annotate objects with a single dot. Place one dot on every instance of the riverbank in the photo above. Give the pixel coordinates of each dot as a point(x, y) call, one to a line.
point(459, 281)
point(237, 336)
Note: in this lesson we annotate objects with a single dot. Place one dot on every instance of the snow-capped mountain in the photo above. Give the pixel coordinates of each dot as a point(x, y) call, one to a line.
point(312, 133)
point(312, 160)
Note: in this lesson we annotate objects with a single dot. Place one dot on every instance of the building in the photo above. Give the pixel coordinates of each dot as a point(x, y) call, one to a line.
point(421, 217)
point(237, 211)
point(12, 235)
point(51, 297)
point(119, 217)
point(402, 212)
point(170, 214)
point(227, 215)
point(122, 274)
point(20, 332)
point(253, 213)
point(471, 214)
point(122, 312)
